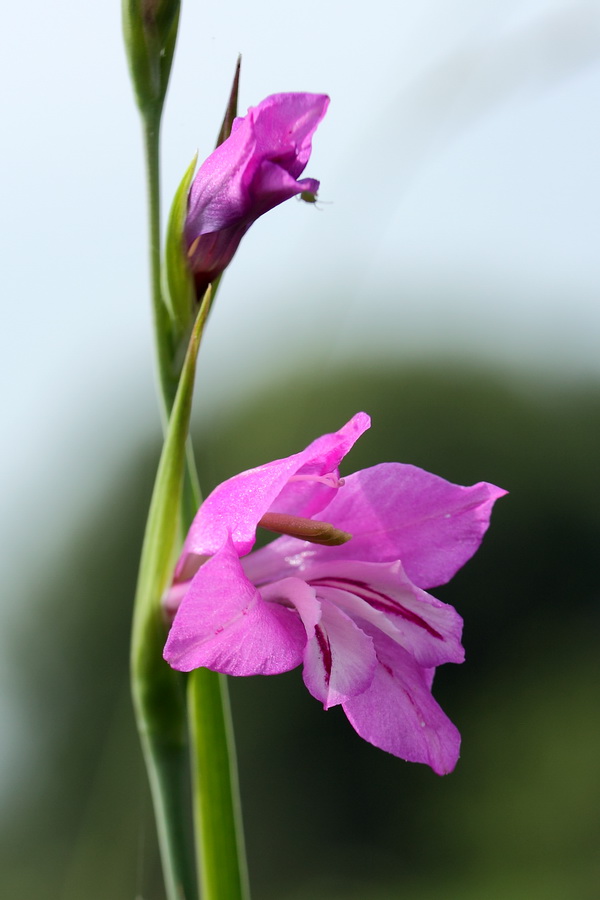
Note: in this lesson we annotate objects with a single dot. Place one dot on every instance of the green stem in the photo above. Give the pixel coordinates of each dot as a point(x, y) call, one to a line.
point(162, 327)
point(217, 814)
point(168, 376)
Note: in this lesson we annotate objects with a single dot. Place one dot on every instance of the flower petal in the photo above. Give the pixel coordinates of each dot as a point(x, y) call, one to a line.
point(283, 126)
point(339, 660)
point(272, 185)
point(218, 195)
point(236, 506)
point(382, 595)
point(398, 713)
point(223, 623)
point(294, 593)
point(211, 253)
point(396, 511)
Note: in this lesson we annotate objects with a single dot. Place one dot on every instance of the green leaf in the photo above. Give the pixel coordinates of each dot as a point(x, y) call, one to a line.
point(158, 691)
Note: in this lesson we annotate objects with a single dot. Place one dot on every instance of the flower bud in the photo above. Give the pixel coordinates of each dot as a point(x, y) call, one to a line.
point(255, 169)
point(150, 31)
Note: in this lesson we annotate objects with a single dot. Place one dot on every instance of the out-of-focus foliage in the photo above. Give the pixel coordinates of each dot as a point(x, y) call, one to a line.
point(327, 815)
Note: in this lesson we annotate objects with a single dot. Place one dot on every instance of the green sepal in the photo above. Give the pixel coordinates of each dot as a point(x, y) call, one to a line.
point(150, 31)
point(177, 280)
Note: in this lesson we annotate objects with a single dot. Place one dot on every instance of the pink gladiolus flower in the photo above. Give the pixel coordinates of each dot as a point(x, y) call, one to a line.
point(255, 169)
point(355, 613)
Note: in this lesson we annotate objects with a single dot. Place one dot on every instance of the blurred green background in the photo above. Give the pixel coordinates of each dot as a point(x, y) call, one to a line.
point(327, 815)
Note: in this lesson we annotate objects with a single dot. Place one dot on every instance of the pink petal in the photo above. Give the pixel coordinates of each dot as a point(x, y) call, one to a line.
point(294, 593)
point(382, 595)
point(397, 511)
point(237, 505)
point(339, 660)
point(272, 185)
point(213, 252)
point(283, 126)
point(398, 713)
point(218, 197)
point(224, 624)
point(315, 483)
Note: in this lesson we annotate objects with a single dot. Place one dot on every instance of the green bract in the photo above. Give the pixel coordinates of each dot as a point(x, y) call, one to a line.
point(232, 105)
point(178, 284)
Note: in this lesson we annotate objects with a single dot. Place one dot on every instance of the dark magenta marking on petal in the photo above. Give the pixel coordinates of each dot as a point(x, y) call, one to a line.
point(325, 648)
point(416, 707)
point(379, 601)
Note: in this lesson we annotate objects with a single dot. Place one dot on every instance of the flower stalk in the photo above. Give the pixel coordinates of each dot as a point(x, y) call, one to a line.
point(162, 326)
point(219, 836)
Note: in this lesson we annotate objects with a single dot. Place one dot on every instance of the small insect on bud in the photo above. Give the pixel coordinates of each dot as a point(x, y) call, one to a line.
point(308, 197)
point(305, 529)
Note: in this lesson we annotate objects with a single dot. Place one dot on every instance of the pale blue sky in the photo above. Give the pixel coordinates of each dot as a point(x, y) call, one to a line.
point(460, 152)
